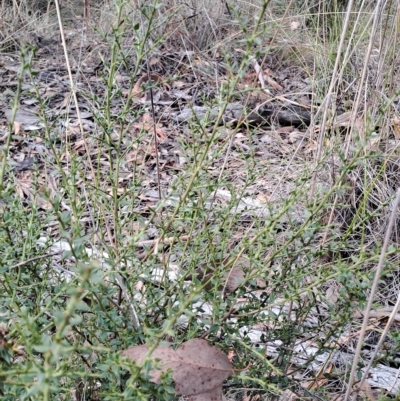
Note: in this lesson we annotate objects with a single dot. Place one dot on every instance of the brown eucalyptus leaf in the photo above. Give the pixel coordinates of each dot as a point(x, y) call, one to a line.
point(136, 353)
point(198, 368)
point(25, 164)
point(205, 368)
point(236, 276)
point(213, 395)
point(234, 279)
point(29, 120)
point(168, 357)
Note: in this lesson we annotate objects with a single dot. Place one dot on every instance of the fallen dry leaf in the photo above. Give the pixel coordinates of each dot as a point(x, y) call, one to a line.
point(396, 126)
point(212, 395)
point(233, 276)
point(138, 88)
point(198, 368)
point(236, 275)
point(367, 391)
point(24, 119)
point(25, 190)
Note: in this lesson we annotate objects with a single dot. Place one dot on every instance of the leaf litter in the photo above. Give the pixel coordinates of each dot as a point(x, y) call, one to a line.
point(198, 368)
point(61, 115)
point(176, 101)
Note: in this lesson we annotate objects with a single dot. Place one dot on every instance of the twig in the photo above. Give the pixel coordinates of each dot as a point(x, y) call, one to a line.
point(73, 90)
point(38, 257)
point(153, 113)
point(134, 315)
point(155, 134)
point(161, 240)
point(371, 297)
